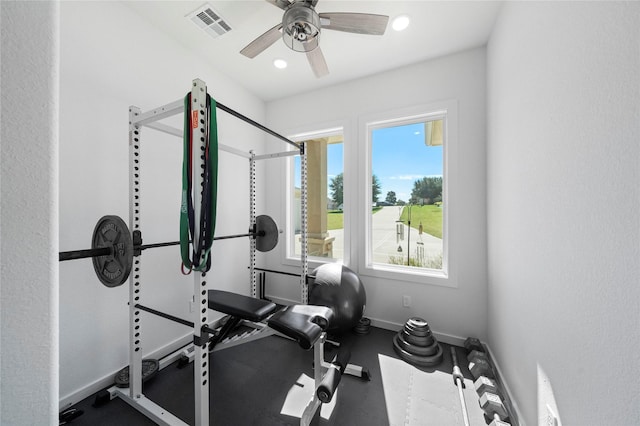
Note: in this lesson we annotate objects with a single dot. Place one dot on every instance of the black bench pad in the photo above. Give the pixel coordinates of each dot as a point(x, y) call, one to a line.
point(237, 305)
point(303, 323)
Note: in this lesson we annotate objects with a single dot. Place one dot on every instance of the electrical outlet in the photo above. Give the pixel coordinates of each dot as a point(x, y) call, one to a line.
point(552, 419)
point(406, 301)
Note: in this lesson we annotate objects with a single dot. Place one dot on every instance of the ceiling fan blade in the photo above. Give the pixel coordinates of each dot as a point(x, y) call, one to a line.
point(317, 62)
point(282, 4)
point(361, 23)
point(258, 45)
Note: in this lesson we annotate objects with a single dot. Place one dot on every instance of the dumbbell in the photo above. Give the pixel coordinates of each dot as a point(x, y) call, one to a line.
point(485, 384)
point(479, 366)
point(472, 344)
point(474, 354)
point(494, 410)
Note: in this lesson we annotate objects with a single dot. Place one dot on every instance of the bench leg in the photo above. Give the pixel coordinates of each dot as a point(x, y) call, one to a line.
point(319, 368)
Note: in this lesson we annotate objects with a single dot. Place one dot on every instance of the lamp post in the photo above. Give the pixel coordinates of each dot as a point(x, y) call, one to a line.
point(420, 202)
point(409, 235)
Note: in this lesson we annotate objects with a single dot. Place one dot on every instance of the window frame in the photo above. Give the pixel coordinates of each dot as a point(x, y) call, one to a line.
point(446, 110)
point(300, 135)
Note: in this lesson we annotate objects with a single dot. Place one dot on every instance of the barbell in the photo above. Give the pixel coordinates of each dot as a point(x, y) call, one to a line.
point(113, 246)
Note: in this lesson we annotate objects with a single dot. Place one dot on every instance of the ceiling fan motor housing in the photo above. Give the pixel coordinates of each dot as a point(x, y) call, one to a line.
point(301, 27)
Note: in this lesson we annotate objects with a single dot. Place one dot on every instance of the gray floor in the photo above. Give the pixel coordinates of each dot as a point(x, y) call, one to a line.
point(251, 381)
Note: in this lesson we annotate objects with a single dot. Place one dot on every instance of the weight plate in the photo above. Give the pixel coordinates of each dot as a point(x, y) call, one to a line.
point(267, 233)
point(417, 323)
point(149, 369)
point(422, 341)
point(416, 332)
point(415, 349)
point(420, 361)
point(112, 269)
point(362, 328)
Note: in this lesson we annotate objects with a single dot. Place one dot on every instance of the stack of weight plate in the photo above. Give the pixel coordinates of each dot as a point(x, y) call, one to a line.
point(416, 345)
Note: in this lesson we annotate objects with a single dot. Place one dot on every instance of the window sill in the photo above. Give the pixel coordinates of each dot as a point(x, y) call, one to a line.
point(437, 278)
point(433, 277)
point(312, 262)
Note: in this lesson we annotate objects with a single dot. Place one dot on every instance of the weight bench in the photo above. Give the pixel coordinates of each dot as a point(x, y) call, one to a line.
point(306, 324)
point(239, 308)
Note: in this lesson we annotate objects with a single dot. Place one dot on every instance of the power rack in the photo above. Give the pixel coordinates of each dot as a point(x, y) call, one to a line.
point(133, 395)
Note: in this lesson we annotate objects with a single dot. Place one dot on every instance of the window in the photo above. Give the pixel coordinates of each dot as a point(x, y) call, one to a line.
point(406, 215)
point(382, 204)
point(325, 205)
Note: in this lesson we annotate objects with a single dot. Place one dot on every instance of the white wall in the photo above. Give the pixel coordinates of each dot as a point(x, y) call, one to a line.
point(457, 311)
point(29, 214)
point(111, 59)
point(563, 208)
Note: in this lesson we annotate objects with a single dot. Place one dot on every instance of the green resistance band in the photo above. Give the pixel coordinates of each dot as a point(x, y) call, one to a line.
point(213, 181)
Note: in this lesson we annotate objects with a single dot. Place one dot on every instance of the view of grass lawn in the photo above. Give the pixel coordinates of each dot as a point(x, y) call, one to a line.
point(335, 218)
point(430, 216)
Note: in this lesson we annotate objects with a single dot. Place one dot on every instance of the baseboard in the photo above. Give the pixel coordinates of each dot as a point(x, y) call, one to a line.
point(441, 337)
point(509, 401)
point(387, 325)
point(107, 381)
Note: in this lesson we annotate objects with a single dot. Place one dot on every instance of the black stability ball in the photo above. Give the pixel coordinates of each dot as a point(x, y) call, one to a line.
point(340, 289)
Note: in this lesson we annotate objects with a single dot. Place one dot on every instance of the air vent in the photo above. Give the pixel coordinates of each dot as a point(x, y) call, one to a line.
point(209, 20)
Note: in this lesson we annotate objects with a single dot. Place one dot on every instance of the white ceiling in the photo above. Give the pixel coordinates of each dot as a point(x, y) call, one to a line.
point(437, 28)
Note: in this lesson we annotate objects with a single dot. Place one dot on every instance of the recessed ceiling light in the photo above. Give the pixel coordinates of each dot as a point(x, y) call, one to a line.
point(400, 22)
point(280, 64)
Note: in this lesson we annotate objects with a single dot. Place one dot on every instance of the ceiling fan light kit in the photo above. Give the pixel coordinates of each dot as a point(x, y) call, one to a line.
point(301, 26)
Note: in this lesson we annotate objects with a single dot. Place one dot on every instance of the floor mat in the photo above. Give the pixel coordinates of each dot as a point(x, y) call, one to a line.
point(418, 398)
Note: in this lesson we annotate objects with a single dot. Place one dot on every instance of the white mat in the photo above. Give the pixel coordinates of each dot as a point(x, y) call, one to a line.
point(417, 398)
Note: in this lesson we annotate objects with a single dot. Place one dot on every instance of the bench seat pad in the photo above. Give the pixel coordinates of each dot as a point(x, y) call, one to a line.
point(237, 305)
point(303, 323)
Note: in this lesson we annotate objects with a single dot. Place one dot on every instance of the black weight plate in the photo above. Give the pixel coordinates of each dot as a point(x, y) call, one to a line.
point(267, 230)
point(420, 361)
point(363, 326)
point(149, 369)
point(415, 349)
point(422, 341)
point(112, 269)
point(416, 332)
point(417, 323)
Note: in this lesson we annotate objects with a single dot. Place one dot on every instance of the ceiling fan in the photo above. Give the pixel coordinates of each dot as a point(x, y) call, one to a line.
point(301, 26)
